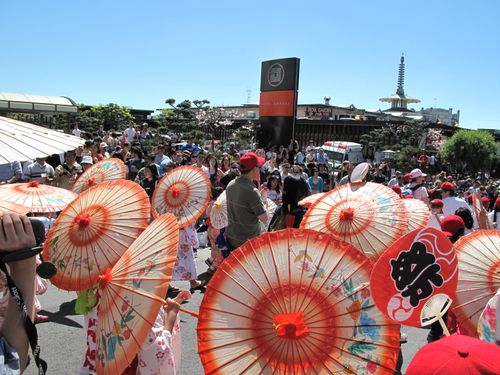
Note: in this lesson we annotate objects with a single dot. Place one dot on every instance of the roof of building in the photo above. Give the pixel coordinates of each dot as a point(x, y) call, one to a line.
point(37, 103)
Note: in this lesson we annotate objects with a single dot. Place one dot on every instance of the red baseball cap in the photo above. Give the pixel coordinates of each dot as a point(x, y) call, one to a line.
point(407, 178)
point(456, 355)
point(485, 201)
point(437, 202)
point(497, 202)
point(396, 189)
point(249, 161)
point(451, 224)
point(447, 186)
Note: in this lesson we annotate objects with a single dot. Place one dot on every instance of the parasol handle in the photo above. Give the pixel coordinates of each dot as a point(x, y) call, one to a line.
point(437, 313)
point(437, 218)
point(192, 313)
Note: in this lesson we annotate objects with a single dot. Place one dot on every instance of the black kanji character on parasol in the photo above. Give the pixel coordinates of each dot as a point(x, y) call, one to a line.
point(414, 272)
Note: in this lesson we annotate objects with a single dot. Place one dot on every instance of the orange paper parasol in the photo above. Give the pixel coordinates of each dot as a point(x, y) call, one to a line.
point(309, 200)
point(218, 213)
point(94, 231)
point(8, 207)
point(37, 197)
point(294, 301)
point(478, 278)
point(185, 192)
point(368, 215)
point(418, 212)
point(105, 170)
point(132, 294)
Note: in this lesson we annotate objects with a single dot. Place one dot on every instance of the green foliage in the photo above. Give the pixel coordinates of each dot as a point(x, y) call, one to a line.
point(180, 118)
point(110, 116)
point(469, 150)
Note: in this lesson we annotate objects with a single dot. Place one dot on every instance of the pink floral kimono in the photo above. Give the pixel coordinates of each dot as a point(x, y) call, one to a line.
point(185, 266)
point(160, 354)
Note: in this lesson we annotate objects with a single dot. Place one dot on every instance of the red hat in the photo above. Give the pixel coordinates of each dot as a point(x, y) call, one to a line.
point(485, 201)
point(447, 186)
point(437, 202)
point(457, 355)
point(249, 161)
point(497, 202)
point(396, 189)
point(451, 224)
point(407, 178)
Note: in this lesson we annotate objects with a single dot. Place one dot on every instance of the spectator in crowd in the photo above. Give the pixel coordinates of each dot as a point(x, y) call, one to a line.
point(290, 214)
point(10, 173)
point(129, 133)
point(316, 182)
point(103, 149)
point(346, 172)
point(437, 216)
point(86, 163)
point(293, 149)
point(214, 172)
point(467, 218)
point(395, 180)
point(417, 186)
point(135, 163)
point(451, 201)
point(150, 179)
point(67, 172)
point(76, 131)
point(494, 216)
point(40, 171)
point(321, 157)
point(323, 173)
point(225, 163)
point(423, 159)
point(300, 157)
point(274, 188)
point(379, 177)
point(244, 205)
point(230, 175)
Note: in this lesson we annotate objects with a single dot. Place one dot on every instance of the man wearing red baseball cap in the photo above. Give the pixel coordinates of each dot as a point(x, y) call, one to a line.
point(244, 205)
point(450, 200)
point(456, 355)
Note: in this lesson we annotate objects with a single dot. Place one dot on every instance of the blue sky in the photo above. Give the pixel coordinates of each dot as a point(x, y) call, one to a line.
point(139, 53)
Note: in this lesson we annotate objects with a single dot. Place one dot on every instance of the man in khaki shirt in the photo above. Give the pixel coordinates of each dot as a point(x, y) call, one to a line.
point(67, 173)
point(244, 205)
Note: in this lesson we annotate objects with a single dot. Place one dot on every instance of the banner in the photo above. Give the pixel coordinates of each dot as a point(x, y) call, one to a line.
point(420, 266)
point(278, 101)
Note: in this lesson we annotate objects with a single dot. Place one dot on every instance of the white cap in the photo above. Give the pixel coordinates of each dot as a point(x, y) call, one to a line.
point(87, 160)
point(417, 173)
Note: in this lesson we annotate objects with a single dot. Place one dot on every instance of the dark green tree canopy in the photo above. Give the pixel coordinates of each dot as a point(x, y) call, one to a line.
point(469, 150)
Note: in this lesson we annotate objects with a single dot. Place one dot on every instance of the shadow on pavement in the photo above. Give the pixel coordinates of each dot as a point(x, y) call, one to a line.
point(59, 317)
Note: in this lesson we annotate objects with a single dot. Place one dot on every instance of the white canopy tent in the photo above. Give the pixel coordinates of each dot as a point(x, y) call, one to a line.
point(23, 141)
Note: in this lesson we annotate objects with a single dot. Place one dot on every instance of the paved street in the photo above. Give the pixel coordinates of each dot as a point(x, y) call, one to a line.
point(62, 339)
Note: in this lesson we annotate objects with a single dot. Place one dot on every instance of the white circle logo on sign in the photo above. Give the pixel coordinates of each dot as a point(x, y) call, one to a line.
point(275, 75)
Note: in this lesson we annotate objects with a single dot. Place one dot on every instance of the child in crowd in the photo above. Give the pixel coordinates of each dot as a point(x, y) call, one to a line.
point(160, 354)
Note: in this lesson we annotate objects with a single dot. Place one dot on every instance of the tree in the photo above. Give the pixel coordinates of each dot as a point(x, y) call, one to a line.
point(469, 150)
point(180, 118)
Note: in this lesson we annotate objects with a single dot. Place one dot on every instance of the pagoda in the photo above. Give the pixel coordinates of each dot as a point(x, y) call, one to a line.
point(399, 101)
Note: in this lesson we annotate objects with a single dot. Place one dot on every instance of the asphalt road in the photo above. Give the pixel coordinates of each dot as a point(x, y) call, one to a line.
point(62, 339)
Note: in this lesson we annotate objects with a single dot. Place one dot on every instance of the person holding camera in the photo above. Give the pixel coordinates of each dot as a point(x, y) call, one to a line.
point(16, 233)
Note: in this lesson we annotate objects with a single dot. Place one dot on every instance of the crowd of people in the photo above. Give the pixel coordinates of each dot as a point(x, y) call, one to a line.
point(251, 178)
